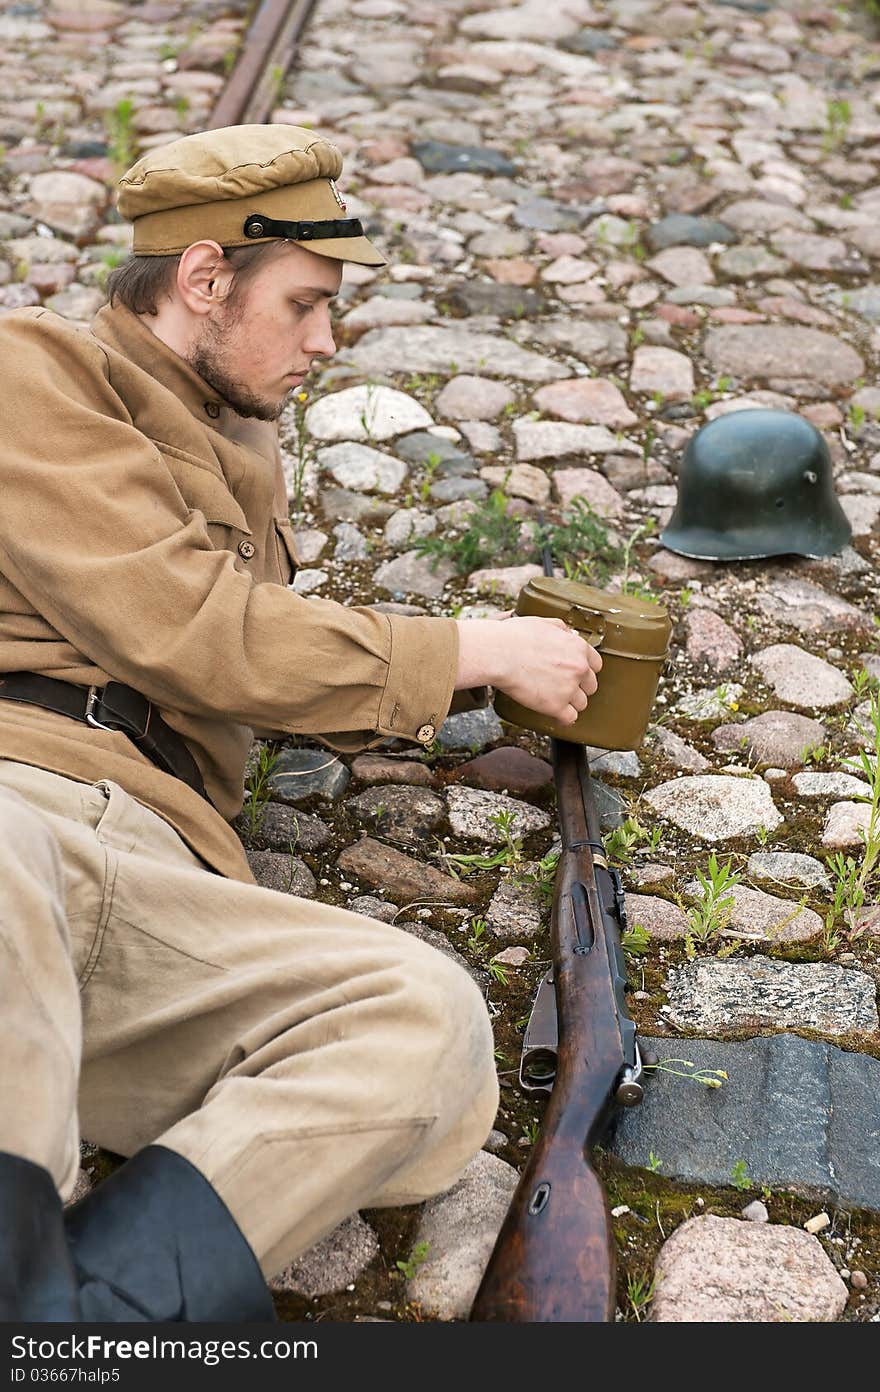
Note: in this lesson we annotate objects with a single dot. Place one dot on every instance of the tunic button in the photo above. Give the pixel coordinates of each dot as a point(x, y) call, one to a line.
point(425, 734)
point(246, 550)
point(212, 409)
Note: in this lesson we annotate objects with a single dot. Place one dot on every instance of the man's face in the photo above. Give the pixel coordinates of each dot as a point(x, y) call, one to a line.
point(256, 346)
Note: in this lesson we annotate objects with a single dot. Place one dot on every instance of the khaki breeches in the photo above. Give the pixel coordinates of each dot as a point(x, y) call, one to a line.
point(307, 1060)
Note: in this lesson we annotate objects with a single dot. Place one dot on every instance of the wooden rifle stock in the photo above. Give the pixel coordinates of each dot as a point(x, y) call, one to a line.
point(554, 1259)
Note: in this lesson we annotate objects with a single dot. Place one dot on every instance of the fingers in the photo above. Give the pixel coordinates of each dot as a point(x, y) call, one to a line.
point(589, 683)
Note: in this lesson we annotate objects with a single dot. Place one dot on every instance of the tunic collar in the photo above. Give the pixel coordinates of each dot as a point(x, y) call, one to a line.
point(119, 328)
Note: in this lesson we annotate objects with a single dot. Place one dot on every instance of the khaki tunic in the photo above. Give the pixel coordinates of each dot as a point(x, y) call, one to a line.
point(127, 487)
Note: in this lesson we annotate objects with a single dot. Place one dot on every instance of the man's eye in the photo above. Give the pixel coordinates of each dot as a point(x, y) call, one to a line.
point(301, 306)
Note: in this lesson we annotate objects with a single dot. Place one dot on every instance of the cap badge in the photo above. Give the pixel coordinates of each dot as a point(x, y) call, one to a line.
point(337, 195)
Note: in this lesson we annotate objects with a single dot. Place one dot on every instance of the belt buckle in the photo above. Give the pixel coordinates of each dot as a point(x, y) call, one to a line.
point(92, 700)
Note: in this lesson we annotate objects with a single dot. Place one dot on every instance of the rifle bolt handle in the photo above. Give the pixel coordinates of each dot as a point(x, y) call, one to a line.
point(630, 1094)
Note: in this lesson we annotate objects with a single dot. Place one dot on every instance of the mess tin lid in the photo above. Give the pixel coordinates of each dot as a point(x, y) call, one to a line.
point(619, 624)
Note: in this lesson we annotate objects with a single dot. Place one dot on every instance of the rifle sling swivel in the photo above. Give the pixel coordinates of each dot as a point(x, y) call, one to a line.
point(597, 849)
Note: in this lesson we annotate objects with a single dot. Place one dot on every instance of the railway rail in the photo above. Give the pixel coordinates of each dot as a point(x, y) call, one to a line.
point(267, 52)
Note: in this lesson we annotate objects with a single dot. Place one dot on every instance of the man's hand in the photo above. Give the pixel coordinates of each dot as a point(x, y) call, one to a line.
point(541, 663)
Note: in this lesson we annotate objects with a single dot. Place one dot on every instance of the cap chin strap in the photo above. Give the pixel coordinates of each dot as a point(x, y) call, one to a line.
point(257, 226)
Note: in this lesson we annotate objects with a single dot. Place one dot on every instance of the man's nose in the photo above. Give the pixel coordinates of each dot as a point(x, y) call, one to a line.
point(320, 340)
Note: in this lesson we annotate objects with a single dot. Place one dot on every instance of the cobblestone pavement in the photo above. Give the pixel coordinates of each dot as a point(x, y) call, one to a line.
point(606, 225)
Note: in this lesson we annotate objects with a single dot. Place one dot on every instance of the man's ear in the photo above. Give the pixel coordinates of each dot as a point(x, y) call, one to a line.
point(203, 277)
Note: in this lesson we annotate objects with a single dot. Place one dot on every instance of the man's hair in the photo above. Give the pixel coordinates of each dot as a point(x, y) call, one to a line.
point(142, 281)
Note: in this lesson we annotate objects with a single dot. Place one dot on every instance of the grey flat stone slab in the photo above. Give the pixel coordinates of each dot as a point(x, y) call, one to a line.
point(303, 773)
point(788, 867)
point(677, 751)
point(774, 737)
point(362, 468)
point(470, 730)
point(756, 215)
point(757, 916)
point(373, 907)
point(286, 874)
point(475, 813)
point(307, 580)
point(503, 301)
point(447, 351)
point(558, 439)
point(406, 525)
point(808, 608)
point(516, 908)
point(722, 997)
point(865, 301)
point(333, 1263)
point(411, 573)
point(708, 703)
point(351, 544)
point(440, 158)
point(460, 1228)
point(503, 580)
point(744, 262)
point(422, 446)
point(836, 785)
point(801, 1115)
point(546, 215)
point(398, 812)
point(801, 678)
point(625, 763)
point(610, 806)
point(682, 229)
point(715, 807)
point(451, 490)
point(760, 351)
point(600, 343)
point(367, 412)
point(661, 918)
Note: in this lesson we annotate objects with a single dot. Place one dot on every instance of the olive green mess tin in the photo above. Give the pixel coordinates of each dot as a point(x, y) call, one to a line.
point(633, 637)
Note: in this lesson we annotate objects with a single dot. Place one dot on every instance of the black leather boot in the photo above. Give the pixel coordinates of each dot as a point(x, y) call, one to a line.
point(37, 1280)
point(155, 1241)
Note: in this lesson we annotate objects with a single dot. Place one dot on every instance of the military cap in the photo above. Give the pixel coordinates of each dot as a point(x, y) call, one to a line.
point(241, 185)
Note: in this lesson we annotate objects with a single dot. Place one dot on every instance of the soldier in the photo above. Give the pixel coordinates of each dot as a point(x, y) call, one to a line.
point(269, 1064)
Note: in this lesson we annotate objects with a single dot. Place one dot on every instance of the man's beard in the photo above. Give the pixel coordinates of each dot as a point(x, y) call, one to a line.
point(208, 359)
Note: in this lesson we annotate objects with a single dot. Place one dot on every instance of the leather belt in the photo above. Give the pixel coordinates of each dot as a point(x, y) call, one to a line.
point(114, 707)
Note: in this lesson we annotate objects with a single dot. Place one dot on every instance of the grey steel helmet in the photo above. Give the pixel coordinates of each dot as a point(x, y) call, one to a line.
point(756, 483)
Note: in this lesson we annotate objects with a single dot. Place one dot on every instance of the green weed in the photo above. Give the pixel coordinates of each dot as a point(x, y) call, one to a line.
point(257, 788)
point(304, 450)
point(417, 1257)
point(640, 1293)
point(121, 141)
point(739, 1176)
point(635, 941)
point(709, 1077)
point(712, 911)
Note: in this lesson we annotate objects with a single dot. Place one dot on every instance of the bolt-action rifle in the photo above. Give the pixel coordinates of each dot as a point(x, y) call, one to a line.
point(554, 1258)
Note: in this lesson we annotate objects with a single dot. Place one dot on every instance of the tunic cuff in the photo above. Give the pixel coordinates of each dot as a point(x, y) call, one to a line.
point(421, 677)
